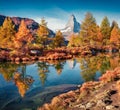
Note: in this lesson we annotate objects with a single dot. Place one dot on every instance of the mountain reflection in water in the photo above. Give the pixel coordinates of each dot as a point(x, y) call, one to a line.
point(27, 86)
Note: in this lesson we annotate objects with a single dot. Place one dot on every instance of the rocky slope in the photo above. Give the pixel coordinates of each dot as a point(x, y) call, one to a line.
point(31, 24)
point(101, 95)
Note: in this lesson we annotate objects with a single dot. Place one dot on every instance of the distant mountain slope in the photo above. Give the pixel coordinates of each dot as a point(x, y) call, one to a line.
point(71, 27)
point(31, 24)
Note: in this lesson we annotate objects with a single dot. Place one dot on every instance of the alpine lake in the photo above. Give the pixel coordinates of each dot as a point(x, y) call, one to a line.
point(27, 86)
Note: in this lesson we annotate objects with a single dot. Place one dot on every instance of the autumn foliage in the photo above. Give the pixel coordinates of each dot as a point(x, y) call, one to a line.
point(91, 34)
point(23, 37)
point(7, 33)
point(22, 83)
point(110, 75)
point(115, 36)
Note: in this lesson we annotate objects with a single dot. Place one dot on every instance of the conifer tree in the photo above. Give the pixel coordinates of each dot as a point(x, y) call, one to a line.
point(88, 28)
point(58, 41)
point(114, 24)
point(42, 33)
point(7, 33)
point(115, 35)
point(75, 41)
point(23, 36)
point(105, 30)
point(99, 35)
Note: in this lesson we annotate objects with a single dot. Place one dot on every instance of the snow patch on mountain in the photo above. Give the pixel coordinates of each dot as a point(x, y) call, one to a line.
point(71, 27)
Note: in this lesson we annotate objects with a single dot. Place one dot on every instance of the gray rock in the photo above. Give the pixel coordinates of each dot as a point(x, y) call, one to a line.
point(90, 104)
point(80, 106)
point(109, 107)
point(100, 103)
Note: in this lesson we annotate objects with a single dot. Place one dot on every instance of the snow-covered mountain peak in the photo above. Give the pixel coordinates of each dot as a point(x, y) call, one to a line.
point(72, 26)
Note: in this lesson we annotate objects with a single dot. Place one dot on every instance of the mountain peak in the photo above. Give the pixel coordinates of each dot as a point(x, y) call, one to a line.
point(72, 16)
point(72, 26)
point(71, 21)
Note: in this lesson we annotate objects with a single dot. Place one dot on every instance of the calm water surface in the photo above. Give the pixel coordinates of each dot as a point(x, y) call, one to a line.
point(28, 86)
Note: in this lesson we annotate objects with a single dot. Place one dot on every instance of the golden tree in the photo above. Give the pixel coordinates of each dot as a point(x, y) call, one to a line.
point(114, 24)
point(23, 36)
point(75, 41)
point(58, 40)
point(99, 35)
point(115, 35)
point(105, 30)
point(88, 28)
point(98, 40)
point(42, 33)
point(7, 33)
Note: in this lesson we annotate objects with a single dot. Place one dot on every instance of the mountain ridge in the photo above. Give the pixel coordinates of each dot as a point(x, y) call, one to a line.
point(31, 24)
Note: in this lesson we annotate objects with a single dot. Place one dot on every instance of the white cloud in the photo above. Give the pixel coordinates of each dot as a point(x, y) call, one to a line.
point(53, 23)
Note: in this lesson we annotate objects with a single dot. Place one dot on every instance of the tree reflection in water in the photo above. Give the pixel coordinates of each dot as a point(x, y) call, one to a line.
point(59, 66)
point(7, 70)
point(89, 66)
point(43, 69)
point(100, 63)
point(23, 81)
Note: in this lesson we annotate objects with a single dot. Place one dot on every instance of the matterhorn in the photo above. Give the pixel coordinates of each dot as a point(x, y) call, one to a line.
point(71, 27)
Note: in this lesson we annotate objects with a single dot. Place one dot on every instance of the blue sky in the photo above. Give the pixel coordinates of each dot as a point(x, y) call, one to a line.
point(57, 12)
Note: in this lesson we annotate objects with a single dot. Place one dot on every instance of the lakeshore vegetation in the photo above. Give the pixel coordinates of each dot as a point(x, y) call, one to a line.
point(21, 40)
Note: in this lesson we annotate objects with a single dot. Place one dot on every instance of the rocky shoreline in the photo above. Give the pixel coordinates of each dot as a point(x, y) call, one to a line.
point(53, 54)
point(94, 95)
